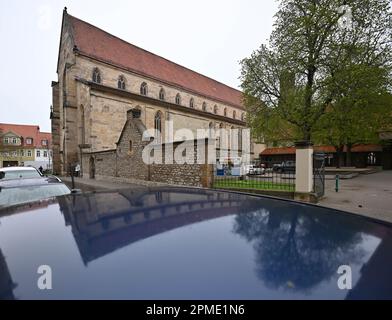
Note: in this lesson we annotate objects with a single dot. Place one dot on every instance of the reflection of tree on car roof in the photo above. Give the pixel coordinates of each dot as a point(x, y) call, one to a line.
point(298, 251)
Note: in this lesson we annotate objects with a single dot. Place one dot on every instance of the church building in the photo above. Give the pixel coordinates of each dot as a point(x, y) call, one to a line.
point(102, 77)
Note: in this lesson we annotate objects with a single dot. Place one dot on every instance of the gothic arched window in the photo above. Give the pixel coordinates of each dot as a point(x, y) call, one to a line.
point(204, 107)
point(158, 125)
point(211, 127)
point(121, 83)
point(191, 103)
point(215, 109)
point(178, 99)
point(225, 112)
point(234, 114)
point(96, 75)
point(143, 89)
point(162, 94)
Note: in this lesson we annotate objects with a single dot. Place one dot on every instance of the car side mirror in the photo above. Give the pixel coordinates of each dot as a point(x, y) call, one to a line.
point(74, 191)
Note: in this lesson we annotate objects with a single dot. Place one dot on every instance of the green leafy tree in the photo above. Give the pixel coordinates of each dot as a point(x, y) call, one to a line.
point(357, 114)
point(296, 78)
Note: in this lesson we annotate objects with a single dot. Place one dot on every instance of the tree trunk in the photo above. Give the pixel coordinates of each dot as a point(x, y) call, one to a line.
point(306, 134)
point(339, 153)
point(348, 156)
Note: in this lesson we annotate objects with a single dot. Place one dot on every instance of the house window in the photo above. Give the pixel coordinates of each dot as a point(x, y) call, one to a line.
point(191, 103)
point(44, 142)
point(45, 154)
point(143, 89)
point(225, 112)
point(29, 141)
point(29, 153)
point(6, 141)
point(121, 83)
point(215, 109)
point(22, 153)
point(96, 75)
point(14, 154)
point(14, 140)
point(178, 99)
point(158, 125)
point(243, 116)
point(204, 107)
point(38, 153)
point(234, 114)
point(162, 94)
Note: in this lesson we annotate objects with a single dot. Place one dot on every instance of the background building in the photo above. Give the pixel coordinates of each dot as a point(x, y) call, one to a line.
point(362, 155)
point(24, 145)
point(101, 77)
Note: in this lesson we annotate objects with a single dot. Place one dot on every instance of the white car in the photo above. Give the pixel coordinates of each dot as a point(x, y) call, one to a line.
point(12, 173)
point(253, 170)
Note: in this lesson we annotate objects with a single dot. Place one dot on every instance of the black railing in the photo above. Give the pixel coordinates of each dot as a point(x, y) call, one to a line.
point(319, 174)
point(277, 178)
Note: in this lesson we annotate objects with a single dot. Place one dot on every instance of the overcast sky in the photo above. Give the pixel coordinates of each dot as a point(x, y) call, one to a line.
point(208, 36)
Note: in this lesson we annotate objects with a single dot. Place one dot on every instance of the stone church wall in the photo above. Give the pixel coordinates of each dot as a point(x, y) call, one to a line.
point(126, 161)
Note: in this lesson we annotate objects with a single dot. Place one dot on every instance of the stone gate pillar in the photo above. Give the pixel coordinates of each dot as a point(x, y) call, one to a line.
point(304, 171)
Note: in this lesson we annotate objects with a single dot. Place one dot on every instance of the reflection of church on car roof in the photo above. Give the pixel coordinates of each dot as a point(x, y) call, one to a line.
point(104, 222)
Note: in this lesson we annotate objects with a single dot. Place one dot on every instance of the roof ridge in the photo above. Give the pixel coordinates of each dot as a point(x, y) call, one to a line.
point(15, 124)
point(153, 54)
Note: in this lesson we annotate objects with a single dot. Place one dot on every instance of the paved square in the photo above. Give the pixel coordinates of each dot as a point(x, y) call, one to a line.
point(369, 195)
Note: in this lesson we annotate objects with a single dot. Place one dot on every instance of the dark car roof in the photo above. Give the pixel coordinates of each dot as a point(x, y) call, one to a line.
point(27, 182)
point(180, 243)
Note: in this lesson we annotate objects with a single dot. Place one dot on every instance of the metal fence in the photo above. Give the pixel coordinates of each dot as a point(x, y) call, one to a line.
point(319, 174)
point(273, 179)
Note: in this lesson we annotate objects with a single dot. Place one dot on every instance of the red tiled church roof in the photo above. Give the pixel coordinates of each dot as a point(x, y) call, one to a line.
point(98, 44)
point(326, 149)
point(27, 131)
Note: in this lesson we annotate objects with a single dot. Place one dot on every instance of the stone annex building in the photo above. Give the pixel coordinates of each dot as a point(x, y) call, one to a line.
point(102, 78)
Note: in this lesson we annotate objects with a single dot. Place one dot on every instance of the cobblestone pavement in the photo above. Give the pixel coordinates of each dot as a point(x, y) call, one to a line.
point(369, 195)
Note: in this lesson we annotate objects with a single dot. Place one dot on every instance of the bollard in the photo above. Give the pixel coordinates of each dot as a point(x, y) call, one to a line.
point(337, 183)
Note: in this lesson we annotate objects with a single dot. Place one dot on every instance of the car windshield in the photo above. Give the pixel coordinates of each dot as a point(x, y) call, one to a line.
point(19, 174)
point(12, 196)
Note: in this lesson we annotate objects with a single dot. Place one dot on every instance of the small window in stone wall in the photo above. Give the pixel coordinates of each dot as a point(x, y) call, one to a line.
point(162, 94)
point(178, 99)
point(130, 146)
point(121, 82)
point(105, 109)
point(96, 76)
point(143, 89)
